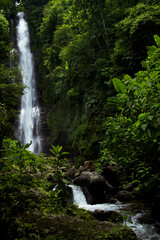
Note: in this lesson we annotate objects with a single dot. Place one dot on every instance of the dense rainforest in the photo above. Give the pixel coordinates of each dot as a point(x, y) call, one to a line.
point(98, 77)
point(99, 80)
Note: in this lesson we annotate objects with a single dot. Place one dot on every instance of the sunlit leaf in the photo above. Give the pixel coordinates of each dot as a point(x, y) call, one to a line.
point(118, 85)
point(157, 40)
point(144, 126)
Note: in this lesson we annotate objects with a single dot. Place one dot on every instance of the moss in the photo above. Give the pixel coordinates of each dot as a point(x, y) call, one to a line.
point(76, 229)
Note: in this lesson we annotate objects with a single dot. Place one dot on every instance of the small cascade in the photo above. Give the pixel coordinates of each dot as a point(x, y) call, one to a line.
point(29, 119)
point(143, 231)
point(80, 200)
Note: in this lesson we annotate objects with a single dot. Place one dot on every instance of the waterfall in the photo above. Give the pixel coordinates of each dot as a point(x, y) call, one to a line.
point(143, 231)
point(29, 118)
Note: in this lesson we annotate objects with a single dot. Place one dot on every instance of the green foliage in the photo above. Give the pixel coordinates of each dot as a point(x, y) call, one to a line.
point(58, 163)
point(86, 141)
point(4, 38)
point(10, 92)
point(17, 156)
point(132, 136)
point(75, 58)
point(118, 85)
point(10, 86)
point(4, 3)
point(81, 46)
point(17, 167)
point(135, 32)
point(91, 230)
point(28, 202)
point(52, 16)
point(23, 189)
point(56, 151)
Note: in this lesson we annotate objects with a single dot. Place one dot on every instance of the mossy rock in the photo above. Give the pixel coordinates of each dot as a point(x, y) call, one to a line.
point(65, 227)
point(68, 228)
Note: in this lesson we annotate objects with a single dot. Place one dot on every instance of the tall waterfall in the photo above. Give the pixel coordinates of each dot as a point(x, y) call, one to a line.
point(29, 118)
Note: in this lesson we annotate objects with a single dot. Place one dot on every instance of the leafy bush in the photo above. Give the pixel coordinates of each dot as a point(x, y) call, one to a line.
point(135, 32)
point(132, 136)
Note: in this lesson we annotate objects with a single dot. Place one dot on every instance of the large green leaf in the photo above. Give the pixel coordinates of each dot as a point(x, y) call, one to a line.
point(144, 126)
point(157, 40)
point(119, 86)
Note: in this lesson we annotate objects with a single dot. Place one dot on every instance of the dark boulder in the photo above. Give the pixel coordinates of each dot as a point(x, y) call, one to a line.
point(70, 173)
point(88, 178)
point(89, 165)
point(95, 186)
point(146, 218)
point(81, 169)
point(124, 196)
point(110, 216)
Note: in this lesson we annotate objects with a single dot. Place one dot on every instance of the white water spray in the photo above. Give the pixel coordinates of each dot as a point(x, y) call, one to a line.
point(29, 118)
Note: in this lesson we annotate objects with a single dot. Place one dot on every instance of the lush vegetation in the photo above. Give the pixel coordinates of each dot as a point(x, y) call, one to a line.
point(84, 44)
point(25, 189)
point(10, 85)
point(132, 135)
point(33, 198)
point(82, 50)
point(87, 50)
point(98, 71)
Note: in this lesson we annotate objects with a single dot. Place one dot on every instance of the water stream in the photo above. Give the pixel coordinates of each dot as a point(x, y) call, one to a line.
point(143, 231)
point(29, 119)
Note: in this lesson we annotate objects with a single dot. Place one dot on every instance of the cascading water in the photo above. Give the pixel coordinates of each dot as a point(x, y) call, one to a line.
point(143, 231)
point(29, 118)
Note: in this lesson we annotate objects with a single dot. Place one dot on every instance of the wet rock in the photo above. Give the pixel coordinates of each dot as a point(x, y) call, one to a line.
point(70, 173)
point(89, 165)
point(74, 228)
point(77, 174)
point(81, 169)
point(146, 219)
point(112, 200)
point(94, 195)
point(88, 178)
point(67, 227)
point(36, 193)
point(110, 216)
point(124, 196)
point(131, 186)
point(94, 185)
